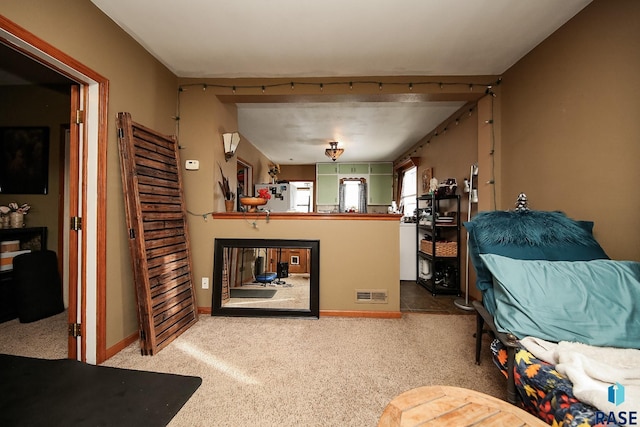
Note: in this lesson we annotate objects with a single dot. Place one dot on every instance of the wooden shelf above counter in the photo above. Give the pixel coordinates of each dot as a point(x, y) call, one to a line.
point(310, 216)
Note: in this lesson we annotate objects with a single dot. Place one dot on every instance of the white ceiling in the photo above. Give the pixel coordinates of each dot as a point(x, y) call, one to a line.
point(366, 130)
point(339, 38)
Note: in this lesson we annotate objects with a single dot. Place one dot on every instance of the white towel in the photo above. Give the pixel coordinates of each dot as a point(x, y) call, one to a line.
point(592, 370)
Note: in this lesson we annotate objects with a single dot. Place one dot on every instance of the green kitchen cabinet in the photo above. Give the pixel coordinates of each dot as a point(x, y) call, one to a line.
point(327, 190)
point(380, 189)
point(379, 177)
point(381, 168)
point(349, 168)
point(327, 168)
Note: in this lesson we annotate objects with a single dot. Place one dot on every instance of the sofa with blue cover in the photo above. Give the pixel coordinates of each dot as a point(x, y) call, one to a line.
point(543, 274)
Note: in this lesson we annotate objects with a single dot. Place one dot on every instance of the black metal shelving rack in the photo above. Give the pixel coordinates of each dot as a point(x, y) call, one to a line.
point(442, 267)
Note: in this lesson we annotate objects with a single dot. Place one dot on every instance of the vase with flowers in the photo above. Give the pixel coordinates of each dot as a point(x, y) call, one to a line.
point(12, 215)
point(228, 195)
point(263, 193)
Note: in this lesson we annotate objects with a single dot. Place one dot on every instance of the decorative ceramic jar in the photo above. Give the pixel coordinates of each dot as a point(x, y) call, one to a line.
point(16, 220)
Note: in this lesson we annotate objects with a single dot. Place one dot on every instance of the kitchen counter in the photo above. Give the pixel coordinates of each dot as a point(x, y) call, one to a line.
point(357, 251)
point(310, 215)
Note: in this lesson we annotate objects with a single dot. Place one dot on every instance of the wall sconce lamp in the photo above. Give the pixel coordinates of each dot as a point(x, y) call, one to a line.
point(230, 141)
point(334, 152)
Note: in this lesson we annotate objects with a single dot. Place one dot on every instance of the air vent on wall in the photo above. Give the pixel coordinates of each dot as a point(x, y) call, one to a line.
point(378, 296)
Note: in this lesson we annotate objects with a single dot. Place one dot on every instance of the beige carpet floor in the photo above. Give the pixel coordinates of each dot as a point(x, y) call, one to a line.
point(297, 372)
point(44, 339)
point(325, 372)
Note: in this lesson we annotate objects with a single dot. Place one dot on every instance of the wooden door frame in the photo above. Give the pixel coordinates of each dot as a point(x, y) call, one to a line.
point(62, 154)
point(248, 179)
point(89, 260)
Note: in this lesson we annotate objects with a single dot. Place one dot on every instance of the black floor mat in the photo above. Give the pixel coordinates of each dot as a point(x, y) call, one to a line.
point(40, 392)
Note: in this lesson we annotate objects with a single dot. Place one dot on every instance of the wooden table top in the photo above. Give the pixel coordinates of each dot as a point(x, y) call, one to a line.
point(453, 406)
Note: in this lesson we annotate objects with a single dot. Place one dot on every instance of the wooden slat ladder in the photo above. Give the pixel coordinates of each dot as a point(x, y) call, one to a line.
point(158, 235)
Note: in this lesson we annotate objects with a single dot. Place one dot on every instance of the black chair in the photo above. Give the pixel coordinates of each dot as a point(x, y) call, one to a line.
point(37, 284)
point(283, 271)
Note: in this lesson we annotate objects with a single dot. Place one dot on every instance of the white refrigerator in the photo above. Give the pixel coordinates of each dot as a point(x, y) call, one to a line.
point(283, 197)
point(408, 251)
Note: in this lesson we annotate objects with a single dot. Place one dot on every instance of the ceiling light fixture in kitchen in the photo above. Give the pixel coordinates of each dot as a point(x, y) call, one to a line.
point(334, 152)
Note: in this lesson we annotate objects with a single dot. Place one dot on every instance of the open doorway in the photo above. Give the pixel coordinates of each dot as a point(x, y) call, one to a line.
point(245, 181)
point(32, 95)
point(87, 185)
point(304, 195)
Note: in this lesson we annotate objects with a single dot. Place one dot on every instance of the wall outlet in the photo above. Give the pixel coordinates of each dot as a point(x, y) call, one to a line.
point(205, 283)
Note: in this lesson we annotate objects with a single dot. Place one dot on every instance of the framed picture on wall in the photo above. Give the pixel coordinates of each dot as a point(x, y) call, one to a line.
point(427, 174)
point(24, 160)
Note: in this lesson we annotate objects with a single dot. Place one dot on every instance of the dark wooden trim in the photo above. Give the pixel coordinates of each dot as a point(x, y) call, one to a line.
point(83, 246)
point(309, 216)
point(74, 138)
point(121, 345)
point(101, 231)
point(407, 163)
point(103, 90)
point(61, 194)
point(361, 180)
point(49, 50)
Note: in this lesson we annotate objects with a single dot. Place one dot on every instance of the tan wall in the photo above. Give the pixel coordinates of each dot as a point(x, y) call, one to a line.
point(570, 128)
point(39, 106)
point(450, 155)
point(298, 173)
point(203, 119)
point(139, 84)
point(353, 255)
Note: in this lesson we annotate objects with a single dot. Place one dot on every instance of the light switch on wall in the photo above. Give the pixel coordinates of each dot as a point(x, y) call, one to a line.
point(205, 283)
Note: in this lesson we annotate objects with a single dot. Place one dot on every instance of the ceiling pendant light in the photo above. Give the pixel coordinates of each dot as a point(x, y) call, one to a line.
point(334, 152)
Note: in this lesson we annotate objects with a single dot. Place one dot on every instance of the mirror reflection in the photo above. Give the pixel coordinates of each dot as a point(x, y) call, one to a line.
point(265, 277)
